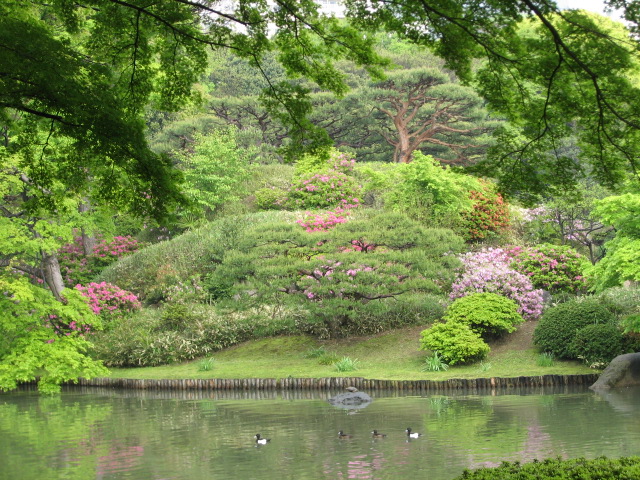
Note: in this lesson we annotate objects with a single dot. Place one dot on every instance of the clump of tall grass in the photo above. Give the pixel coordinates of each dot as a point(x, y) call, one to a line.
point(346, 364)
point(206, 364)
point(434, 363)
point(545, 359)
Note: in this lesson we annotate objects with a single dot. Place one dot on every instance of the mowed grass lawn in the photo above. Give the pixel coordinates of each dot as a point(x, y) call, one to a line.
point(391, 355)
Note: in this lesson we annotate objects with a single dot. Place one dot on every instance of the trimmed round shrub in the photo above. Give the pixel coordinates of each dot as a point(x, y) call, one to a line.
point(553, 268)
point(598, 344)
point(455, 342)
point(488, 314)
point(559, 324)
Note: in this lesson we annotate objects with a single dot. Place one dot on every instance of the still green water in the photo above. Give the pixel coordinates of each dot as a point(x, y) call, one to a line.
point(109, 434)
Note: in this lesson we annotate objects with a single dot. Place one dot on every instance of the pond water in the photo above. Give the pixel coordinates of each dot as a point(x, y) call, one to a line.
point(89, 433)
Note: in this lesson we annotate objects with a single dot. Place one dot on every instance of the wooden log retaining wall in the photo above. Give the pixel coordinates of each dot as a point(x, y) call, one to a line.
point(340, 383)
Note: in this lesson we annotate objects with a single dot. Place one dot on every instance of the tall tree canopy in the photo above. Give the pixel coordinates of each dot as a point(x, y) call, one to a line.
point(549, 72)
point(422, 108)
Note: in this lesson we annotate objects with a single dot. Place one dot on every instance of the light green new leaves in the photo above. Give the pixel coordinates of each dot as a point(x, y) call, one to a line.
point(424, 187)
point(214, 169)
point(29, 348)
point(622, 261)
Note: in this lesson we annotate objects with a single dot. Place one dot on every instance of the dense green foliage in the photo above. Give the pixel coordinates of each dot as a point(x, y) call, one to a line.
point(357, 269)
point(598, 344)
point(153, 271)
point(559, 324)
point(622, 262)
point(559, 469)
point(455, 343)
point(488, 314)
point(326, 189)
point(214, 170)
point(179, 333)
point(425, 190)
point(42, 337)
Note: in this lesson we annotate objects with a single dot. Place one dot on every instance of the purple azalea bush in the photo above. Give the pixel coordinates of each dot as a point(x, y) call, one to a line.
point(489, 270)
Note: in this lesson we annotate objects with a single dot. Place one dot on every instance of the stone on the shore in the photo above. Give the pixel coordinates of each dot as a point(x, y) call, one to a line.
point(623, 371)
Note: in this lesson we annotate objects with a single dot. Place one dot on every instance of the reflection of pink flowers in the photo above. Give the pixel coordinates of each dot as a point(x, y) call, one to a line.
point(360, 467)
point(119, 459)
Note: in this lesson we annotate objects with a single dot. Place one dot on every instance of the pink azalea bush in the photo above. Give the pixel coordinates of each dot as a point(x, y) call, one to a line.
point(106, 299)
point(341, 162)
point(69, 329)
point(74, 264)
point(321, 222)
point(554, 268)
point(107, 252)
point(77, 267)
point(489, 270)
point(329, 189)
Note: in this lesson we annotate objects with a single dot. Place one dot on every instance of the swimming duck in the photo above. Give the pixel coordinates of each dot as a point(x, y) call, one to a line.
point(412, 435)
point(376, 434)
point(341, 434)
point(261, 441)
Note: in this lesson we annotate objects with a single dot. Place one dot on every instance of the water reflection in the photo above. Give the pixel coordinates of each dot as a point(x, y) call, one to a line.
point(93, 433)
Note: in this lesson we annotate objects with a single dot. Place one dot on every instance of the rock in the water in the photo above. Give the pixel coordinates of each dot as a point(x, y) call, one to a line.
point(351, 400)
point(623, 371)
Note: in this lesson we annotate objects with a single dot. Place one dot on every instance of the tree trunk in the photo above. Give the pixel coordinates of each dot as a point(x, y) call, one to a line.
point(88, 241)
point(52, 275)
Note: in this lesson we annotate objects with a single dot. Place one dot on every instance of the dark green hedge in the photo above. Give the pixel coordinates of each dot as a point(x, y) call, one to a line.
point(626, 468)
point(558, 326)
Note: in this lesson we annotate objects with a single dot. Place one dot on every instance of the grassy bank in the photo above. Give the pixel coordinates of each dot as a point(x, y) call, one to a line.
point(391, 355)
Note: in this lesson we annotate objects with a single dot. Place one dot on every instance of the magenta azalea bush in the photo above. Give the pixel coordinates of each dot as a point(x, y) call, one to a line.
point(321, 222)
point(76, 267)
point(489, 270)
point(108, 251)
point(324, 190)
point(553, 268)
point(106, 299)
